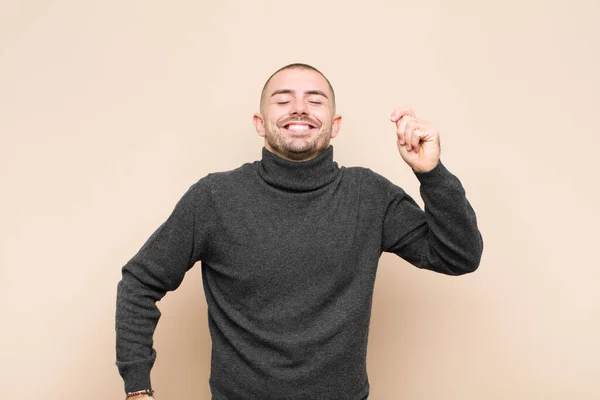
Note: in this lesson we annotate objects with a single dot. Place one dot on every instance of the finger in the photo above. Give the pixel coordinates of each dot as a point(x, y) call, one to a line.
point(411, 125)
point(426, 133)
point(401, 127)
point(416, 138)
point(418, 130)
point(400, 112)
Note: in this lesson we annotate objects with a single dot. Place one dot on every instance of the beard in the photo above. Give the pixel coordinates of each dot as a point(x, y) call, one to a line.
point(298, 148)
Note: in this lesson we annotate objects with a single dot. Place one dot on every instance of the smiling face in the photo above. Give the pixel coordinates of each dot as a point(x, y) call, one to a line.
point(297, 116)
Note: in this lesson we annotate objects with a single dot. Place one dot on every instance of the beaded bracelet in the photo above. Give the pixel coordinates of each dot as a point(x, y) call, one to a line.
point(149, 392)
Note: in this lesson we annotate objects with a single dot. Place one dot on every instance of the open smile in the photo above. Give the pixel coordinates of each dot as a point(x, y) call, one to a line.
point(299, 127)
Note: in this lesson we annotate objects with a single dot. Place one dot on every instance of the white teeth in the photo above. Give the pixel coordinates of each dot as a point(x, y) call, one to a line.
point(299, 127)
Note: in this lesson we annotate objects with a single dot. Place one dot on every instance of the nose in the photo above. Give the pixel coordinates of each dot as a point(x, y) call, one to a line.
point(298, 107)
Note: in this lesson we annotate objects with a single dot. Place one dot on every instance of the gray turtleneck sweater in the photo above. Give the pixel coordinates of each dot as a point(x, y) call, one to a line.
point(289, 253)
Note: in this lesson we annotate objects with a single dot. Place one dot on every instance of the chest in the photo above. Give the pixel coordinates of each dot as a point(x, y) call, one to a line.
point(289, 242)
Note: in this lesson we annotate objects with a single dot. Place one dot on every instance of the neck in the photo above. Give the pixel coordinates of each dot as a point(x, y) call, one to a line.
point(298, 176)
point(293, 157)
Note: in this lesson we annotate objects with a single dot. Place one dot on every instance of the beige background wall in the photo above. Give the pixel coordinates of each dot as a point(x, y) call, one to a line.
point(109, 111)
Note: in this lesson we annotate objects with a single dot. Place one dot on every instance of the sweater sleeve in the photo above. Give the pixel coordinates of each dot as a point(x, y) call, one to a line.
point(444, 238)
point(159, 266)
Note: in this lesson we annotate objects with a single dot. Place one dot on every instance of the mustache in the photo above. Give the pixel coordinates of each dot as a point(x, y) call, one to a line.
point(304, 118)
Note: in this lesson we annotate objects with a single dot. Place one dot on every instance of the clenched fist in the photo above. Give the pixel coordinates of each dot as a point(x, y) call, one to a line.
point(418, 141)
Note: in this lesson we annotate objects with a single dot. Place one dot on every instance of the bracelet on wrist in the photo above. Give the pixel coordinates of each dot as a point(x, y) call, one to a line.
point(149, 392)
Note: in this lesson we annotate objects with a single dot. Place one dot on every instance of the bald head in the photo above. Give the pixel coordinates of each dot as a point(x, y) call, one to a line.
point(264, 94)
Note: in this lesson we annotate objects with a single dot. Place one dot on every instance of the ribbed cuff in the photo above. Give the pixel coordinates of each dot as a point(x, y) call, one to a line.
point(136, 377)
point(438, 172)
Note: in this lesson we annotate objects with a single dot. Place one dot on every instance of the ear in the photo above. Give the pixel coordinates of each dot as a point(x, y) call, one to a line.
point(336, 125)
point(259, 124)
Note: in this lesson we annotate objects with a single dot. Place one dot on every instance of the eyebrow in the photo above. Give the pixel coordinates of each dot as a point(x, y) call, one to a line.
point(289, 91)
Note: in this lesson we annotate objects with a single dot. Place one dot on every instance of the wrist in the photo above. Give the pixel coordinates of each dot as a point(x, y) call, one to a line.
point(140, 394)
point(426, 168)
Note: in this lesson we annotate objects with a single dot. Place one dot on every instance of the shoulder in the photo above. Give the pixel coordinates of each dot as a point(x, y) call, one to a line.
point(210, 189)
point(369, 179)
point(225, 181)
point(232, 175)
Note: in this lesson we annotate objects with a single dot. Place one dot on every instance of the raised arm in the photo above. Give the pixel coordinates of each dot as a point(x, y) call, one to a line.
point(445, 237)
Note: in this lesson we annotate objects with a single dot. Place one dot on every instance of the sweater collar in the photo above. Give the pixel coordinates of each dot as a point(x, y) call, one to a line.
point(298, 176)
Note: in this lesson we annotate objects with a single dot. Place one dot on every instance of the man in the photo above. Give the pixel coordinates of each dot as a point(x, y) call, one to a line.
point(289, 247)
